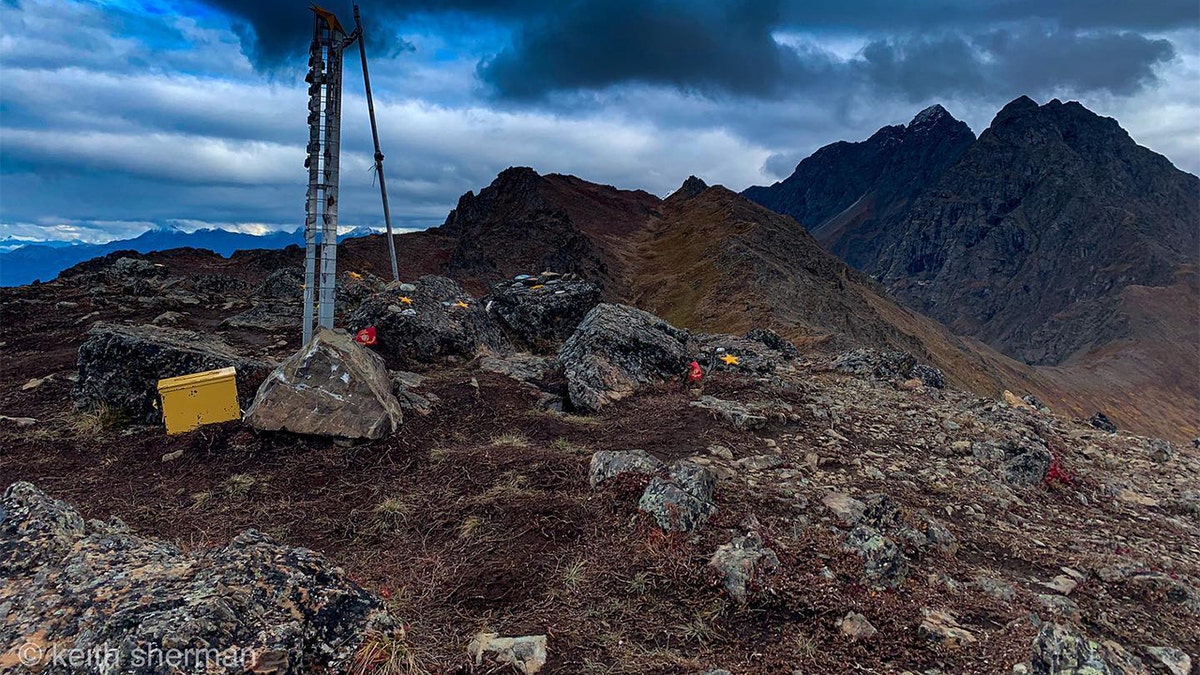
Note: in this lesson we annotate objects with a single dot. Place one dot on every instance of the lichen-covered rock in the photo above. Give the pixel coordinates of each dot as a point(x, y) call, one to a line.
point(98, 588)
point(120, 366)
point(740, 562)
point(1025, 462)
point(683, 500)
point(884, 365)
point(540, 316)
point(331, 387)
point(1060, 649)
point(888, 365)
point(883, 562)
point(618, 349)
point(608, 464)
point(434, 320)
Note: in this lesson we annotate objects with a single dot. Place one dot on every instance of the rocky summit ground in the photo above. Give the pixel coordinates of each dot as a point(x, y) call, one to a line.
point(795, 511)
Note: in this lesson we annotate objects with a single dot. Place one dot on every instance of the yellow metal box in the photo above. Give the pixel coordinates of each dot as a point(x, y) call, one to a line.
point(189, 401)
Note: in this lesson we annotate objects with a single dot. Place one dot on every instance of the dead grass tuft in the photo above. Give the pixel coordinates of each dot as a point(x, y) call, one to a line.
point(239, 485)
point(510, 440)
point(386, 654)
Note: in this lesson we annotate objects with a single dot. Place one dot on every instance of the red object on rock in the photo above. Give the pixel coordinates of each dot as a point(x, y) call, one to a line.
point(695, 374)
point(366, 336)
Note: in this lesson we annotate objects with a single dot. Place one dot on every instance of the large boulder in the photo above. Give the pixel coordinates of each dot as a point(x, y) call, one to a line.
point(120, 366)
point(71, 586)
point(541, 315)
point(428, 320)
point(331, 387)
point(618, 349)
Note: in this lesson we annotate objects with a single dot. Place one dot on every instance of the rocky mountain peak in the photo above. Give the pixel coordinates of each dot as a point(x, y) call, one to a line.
point(1015, 107)
point(931, 116)
point(690, 188)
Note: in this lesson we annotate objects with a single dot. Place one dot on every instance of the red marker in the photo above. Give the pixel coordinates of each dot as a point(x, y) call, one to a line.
point(366, 336)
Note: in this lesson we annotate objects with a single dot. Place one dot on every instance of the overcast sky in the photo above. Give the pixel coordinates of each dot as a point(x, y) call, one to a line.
point(120, 116)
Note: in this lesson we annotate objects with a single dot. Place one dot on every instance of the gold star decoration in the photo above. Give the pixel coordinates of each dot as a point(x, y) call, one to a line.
point(406, 300)
point(354, 275)
point(730, 360)
point(461, 304)
point(534, 288)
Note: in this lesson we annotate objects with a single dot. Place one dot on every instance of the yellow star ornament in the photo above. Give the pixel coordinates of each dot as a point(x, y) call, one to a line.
point(406, 300)
point(730, 360)
point(461, 304)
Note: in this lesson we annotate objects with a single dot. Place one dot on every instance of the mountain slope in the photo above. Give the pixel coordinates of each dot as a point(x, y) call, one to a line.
point(846, 194)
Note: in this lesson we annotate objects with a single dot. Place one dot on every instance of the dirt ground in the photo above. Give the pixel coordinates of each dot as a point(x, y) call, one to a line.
point(479, 515)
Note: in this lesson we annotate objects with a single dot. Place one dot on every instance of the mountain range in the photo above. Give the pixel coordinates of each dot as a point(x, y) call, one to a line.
point(22, 262)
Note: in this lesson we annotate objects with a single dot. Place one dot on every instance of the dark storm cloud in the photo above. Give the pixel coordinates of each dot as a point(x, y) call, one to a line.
point(710, 47)
point(1016, 61)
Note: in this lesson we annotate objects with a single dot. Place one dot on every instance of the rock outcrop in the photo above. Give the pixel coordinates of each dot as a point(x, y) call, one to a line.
point(618, 349)
point(331, 387)
point(95, 588)
point(431, 319)
point(542, 314)
point(120, 366)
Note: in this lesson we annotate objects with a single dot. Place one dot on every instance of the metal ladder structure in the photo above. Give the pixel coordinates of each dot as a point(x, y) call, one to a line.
point(324, 80)
point(324, 137)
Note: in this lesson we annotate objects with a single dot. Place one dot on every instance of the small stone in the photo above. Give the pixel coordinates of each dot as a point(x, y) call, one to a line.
point(847, 509)
point(941, 627)
point(1174, 660)
point(1101, 422)
point(36, 382)
point(609, 464)
point(760, 462)
point(740, 562)
point(856, 627)
point(720, 451)
point(172, 456)
point(525, 654)
point(1061, 584)
point(1015, 402)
